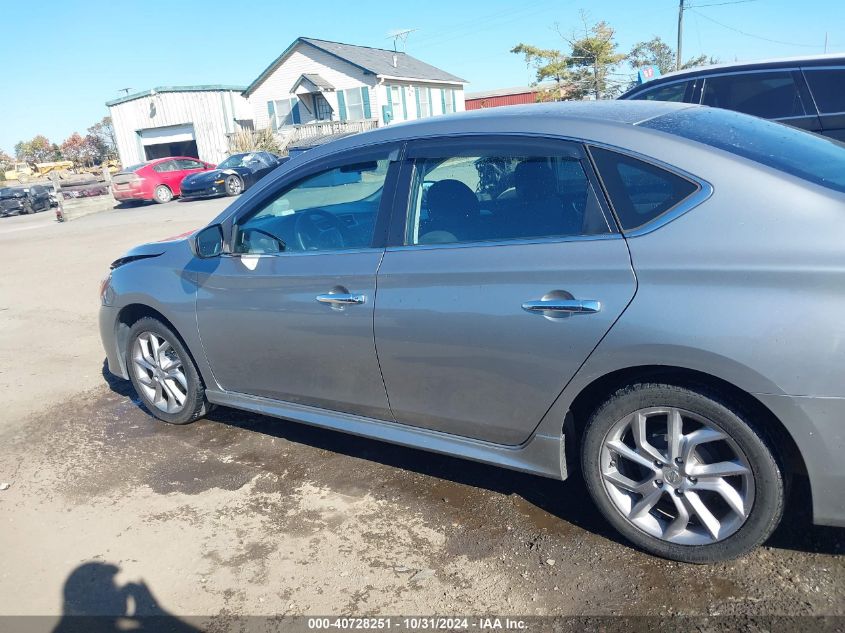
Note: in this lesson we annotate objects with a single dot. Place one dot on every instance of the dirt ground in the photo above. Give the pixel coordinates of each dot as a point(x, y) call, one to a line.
point(243, 514)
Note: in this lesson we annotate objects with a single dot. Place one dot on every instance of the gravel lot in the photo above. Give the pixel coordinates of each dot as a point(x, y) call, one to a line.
point(240, 513)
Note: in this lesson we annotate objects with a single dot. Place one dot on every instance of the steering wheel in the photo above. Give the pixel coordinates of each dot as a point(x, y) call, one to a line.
point(310, 235)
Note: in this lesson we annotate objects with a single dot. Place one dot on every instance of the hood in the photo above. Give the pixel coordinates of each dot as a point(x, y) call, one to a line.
point(160, 247)
point(208, 177)
point(152, 249)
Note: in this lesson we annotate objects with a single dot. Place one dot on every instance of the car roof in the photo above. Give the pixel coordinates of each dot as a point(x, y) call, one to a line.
point(830, 59)
point(536, 118)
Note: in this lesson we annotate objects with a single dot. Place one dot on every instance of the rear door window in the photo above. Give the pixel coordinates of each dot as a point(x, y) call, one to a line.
point(770, 95)
point(187, 163)
point(168, 165)
point(671, 92)
point(828, 88)
point(639, 192)
point(496, 192)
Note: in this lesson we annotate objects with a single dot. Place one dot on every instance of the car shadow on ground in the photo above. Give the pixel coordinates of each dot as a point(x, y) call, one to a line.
point(567, 501)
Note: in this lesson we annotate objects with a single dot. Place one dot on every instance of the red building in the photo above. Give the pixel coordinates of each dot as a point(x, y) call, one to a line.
point(500, 97)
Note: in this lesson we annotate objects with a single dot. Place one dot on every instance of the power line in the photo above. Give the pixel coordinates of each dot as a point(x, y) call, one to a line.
point(746, 34)
point(718, 4)
point(472, 26)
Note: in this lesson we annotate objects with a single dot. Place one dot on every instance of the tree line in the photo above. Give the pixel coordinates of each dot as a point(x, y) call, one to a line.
point(587, 66)
point(96, 147)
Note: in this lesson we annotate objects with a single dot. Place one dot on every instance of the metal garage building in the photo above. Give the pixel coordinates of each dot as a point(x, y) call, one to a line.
point(178, 121)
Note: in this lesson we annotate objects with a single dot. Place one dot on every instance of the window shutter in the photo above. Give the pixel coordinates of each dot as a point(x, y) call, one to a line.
point(271, 112)
point(294, 111)
point(404, 105)
point(454, 103)
point(417, 94)
point(365, 99)
point(430, 103)
point(443, 100)
point(387, 110)
point(341, 105)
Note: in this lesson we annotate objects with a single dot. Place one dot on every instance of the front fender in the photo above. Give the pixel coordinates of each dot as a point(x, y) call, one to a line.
point(166, 285)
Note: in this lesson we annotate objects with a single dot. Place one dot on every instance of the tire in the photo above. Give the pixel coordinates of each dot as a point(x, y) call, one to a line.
point(153, 378)
point(27, 208)
point(234, 186)
point(665, 512)
point(162, 194)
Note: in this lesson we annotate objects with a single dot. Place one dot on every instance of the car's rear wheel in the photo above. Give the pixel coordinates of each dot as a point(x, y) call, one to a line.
point(163, 373)
point(234, 186)
point(162, 194)
point(682, 472)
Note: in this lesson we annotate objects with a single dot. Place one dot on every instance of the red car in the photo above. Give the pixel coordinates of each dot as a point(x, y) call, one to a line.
point(158, 180)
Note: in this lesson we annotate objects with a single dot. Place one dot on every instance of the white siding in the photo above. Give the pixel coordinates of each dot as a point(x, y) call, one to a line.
point(212, 114)
point(306, 59)
point(409, 88)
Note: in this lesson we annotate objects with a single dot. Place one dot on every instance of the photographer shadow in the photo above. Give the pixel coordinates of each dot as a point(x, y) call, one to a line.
point(93, 602)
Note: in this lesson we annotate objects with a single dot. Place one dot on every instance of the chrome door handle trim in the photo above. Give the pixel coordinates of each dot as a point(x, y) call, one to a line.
point(576, 306)
point(342, 299)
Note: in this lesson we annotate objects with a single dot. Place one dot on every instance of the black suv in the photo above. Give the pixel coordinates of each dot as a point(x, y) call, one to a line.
point(807, 92)
point(20, 201)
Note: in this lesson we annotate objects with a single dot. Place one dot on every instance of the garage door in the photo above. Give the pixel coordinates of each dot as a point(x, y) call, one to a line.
point(174, 140)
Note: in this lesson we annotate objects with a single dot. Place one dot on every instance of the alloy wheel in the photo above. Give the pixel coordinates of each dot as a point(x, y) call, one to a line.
point(677, 476)
point(159, 372)
point(233, 185)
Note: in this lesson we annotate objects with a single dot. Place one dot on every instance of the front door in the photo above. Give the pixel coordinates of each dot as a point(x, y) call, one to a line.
point(508, 276)
point(288, 314)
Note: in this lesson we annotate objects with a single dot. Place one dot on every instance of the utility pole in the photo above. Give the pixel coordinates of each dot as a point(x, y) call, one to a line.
point(680, 35)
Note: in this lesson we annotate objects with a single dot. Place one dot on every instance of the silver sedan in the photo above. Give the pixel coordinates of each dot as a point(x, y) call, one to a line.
point(650, 292)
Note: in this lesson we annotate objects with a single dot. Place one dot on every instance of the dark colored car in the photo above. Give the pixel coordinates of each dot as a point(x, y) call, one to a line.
point(157, 180)
point(233, 176)
point(805, 92)
point(22, 201)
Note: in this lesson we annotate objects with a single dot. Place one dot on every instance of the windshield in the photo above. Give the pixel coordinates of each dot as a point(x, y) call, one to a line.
point(236, 160)
point(812, 157)
point(132, 168)
point(7, 192)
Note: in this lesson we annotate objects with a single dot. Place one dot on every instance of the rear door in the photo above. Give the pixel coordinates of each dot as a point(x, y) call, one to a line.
point(504, 273)
point(167, 173)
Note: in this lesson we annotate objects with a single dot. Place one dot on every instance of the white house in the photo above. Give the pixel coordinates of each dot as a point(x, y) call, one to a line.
point(317, 80)
point(178, 121)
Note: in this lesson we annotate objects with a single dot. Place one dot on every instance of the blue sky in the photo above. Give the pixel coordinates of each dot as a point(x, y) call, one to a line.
point(62, 59)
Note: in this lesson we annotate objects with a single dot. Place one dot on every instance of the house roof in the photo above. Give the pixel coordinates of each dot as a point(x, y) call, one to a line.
point(374, 61)
point(157, 89)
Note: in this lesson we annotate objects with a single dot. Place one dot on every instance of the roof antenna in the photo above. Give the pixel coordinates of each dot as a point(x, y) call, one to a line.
point(399, 35)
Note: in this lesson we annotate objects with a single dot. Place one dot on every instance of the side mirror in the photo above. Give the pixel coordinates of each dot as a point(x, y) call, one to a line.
point(208, 242)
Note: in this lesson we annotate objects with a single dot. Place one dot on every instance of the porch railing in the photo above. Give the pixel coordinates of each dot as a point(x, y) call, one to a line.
point(301, 132)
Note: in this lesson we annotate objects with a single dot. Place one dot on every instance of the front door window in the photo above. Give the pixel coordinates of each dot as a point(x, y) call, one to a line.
point(328, 211)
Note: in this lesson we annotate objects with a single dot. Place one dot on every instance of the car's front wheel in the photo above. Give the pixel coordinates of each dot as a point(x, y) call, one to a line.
point(682, 472)
point(234, 186)
point(163, 373)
